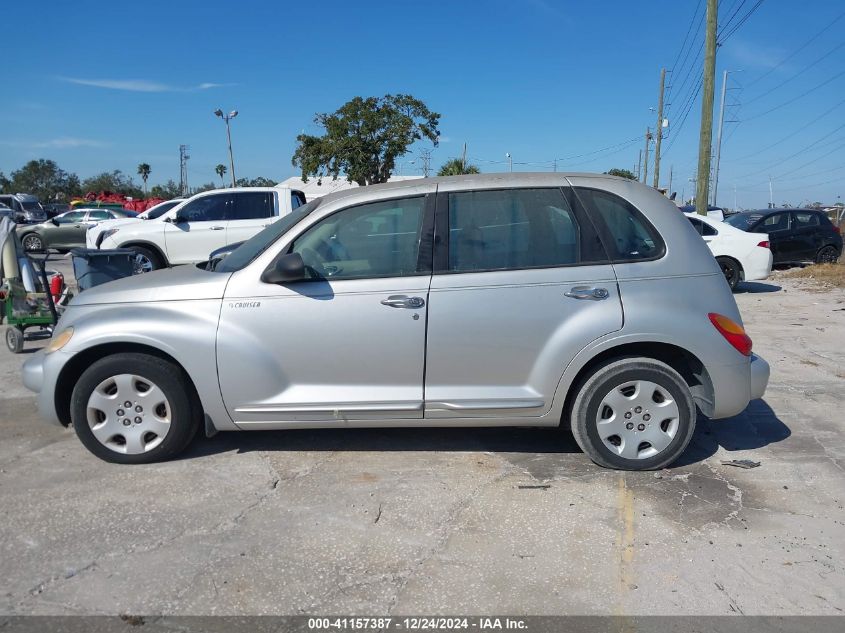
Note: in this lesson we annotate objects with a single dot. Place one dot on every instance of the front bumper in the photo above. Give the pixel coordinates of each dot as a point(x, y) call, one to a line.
point(40, 373)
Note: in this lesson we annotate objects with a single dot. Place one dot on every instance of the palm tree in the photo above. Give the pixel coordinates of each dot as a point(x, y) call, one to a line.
point(457, 167)
point(221, 171)
point(144, 172)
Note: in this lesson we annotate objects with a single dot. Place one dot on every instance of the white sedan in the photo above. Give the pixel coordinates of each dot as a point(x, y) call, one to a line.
point(742, 256)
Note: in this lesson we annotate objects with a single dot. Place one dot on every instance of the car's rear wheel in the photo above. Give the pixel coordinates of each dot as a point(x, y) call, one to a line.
point(731, 270)
point(633, 414)
point(134, 409)
point(32, 243)
point(827, 255)
point(146, 260)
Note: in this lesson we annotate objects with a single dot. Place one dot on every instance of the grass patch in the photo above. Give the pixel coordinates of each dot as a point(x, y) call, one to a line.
point(825, 274)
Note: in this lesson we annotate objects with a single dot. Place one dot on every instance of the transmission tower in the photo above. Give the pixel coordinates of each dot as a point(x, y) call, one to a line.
point(425, 156)
point(183, 169)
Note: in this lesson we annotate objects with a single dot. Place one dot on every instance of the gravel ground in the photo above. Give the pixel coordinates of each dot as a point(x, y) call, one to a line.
point(513, 521)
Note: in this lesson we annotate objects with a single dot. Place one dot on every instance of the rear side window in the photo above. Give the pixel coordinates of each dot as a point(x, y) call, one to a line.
point(253, 205)
point(297, 199)
point(702, 228)
point(627, 235)
point(804, 220)
point(100, 215)
point(513, 229)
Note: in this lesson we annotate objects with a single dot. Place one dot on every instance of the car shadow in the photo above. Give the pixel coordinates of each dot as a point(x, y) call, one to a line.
point(756, 427)
point(755, 287)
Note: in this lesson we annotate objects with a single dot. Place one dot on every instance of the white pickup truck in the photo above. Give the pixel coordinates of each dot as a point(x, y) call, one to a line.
point(191, 230)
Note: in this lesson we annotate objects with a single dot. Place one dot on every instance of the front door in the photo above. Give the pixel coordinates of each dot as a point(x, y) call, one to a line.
point(70, 231)
point(524, 286)
point(198, 229)
point(345, 344)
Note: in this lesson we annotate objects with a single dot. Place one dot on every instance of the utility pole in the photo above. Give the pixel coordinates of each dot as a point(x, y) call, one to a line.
point(640, 165)
point(645, 162)
point(719, 136)
point(705, 141)
point(771, 195)
point(659, 130)
point(669, 190)
point(464, 158)
point(183, 169)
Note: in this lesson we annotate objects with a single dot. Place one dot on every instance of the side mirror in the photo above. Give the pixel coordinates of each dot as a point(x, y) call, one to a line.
point(54, 221)
point(286, 269)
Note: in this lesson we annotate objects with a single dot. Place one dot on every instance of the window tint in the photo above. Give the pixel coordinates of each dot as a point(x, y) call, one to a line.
point(73, 216)
point(297, 199)
point(512, 229)
point(806, 219)
point(774, 222)
point(628, 235)
point(702, 228)
point(100, 215)
point(205, 209)
point(380, 239)
point(252, 206)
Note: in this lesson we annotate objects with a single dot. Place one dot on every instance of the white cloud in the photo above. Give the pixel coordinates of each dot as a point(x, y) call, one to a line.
point(140, 85)
point(62, 142)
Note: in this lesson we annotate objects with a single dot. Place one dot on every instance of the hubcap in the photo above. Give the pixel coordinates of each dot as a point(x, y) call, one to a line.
point(828, 256)
point(728, 272)
point(128, 414)
point(637, 419)
point(32, 243)
point(141, 265)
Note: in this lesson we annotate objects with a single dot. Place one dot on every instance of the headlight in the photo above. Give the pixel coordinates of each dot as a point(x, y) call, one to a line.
point(60, 340)
point(107, 233)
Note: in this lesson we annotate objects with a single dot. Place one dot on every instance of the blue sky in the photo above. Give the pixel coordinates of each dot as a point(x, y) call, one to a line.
point(106, 85)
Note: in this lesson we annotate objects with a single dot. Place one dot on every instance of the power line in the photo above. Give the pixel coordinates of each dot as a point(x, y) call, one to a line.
point(794, 99)
point(684, 45)
point(798, 74)
point(727, 23)
point(806, 148)
point(742, 21)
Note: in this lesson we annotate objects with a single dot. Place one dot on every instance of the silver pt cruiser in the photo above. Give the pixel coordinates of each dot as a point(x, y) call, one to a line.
point(581, 301)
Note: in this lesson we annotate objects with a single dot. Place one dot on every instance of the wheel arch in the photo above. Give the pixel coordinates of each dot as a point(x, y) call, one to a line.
point(687, 364)
point(73, 369)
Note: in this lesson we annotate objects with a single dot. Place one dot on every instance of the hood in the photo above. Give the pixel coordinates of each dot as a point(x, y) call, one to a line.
point(183, 283)
point(115, 224)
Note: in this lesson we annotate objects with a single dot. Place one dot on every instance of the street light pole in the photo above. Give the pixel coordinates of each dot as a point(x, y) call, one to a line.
point(510, 161)
point(226, 117)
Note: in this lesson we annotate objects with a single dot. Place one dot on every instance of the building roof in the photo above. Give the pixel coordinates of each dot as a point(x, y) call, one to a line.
point(317, 188)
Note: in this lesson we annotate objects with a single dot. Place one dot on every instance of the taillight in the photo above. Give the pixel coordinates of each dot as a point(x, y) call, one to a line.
point(733, 333)
point(837, 229)
point(764, 244)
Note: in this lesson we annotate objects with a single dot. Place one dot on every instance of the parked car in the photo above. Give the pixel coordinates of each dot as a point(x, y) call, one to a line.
point(795, 235)
point(65, 231)
point(188, 232)
point(485, 300)
point(52, 209)
point(716, 213)
point(92, 236)
point(160, 209)
point(740, 255)
point(26, 207)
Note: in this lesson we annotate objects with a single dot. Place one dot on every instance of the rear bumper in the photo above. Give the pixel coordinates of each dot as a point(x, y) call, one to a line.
point(759, 376)
point(759, 265)
point(734, 386)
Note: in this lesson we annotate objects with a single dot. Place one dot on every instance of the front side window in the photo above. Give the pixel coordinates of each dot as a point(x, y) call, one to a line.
point(252, 205)
point(628, 236)
point(205, 209)
point(512, 229)
point(774, 222)
point(379, 239)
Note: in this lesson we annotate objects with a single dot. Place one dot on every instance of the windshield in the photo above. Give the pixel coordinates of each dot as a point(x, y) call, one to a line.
point(259, 243)
point(31, 206)
point(743, 220)
point(161, 209)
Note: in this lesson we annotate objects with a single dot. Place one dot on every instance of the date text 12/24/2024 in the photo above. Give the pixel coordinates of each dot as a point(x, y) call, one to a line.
point(421, 623)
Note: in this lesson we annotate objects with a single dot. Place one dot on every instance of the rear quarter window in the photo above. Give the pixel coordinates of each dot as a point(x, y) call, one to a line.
point(627, 235)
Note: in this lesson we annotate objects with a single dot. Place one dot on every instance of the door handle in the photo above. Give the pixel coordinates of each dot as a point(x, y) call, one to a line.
point(587, 292)
point(403, 301)
point(217, 228)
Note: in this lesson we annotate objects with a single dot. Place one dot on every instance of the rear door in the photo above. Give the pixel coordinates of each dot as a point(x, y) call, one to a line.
point(781, 241)
point(200, 229)
point(521, 284)
point(807, 234)
point(249, 212)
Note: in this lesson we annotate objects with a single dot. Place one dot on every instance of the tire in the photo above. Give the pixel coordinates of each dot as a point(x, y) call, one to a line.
point(827, 255)
point(668, 424)
point(731, 270)
point(14, 339)
point(162, 418)
point(32, 243)
point(146, 260)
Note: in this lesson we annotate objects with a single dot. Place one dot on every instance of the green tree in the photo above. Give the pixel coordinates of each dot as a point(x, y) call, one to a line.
point(261, 181)
point(43, 178)
point(623, 173)
point(144, 172)
point(5, 183)
point(221, 170)
point(206, 187)
point(166, 191)
point(114, 181)
point(364, 138)
point(457, 167)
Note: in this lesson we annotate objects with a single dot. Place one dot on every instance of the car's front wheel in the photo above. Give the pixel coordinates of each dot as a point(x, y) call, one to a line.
point(134, 409)
point(146, 260)
point(633, 414)
point(32, 243)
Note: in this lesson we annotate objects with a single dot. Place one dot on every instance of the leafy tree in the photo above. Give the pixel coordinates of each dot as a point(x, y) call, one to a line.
point(42, 178)
point(221, 170)
point(115, 181)
point(206, 187)
point(144, 172)
point(456, 167)
point(5, 183)
point(364, 138)
point(624, 173)
point(261, 181)
point(166, 191)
